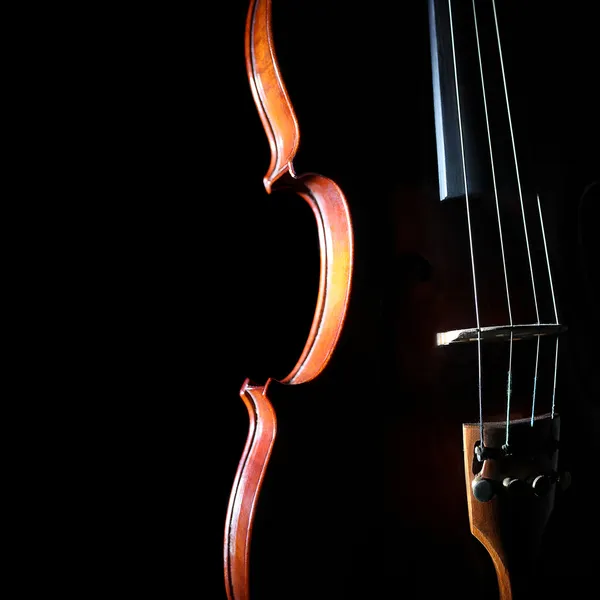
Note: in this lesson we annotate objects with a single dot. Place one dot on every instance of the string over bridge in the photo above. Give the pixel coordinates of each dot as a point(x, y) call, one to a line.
point(499, 333)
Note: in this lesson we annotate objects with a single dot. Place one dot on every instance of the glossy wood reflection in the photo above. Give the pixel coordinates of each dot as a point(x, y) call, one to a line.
point(334, 228)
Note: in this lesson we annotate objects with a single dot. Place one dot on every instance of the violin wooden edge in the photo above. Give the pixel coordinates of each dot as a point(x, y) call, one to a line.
point(269, 92)
point(246, 489)
point(336, 243)
point(324, 196)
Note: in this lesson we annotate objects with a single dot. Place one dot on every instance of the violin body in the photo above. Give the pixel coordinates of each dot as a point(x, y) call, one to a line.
point(369, 488)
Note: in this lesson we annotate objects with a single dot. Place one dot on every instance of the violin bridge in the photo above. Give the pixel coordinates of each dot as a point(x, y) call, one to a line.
point(498, 333)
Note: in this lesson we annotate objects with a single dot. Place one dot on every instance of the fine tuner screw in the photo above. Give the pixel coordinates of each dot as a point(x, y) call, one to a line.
point(485, 489)
point(515, 486)
point(541, 484)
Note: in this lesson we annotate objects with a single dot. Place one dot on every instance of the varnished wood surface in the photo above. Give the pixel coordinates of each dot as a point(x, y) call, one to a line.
point(246, 487)
point(334, 227)
point(324, 196)
point(270, 96)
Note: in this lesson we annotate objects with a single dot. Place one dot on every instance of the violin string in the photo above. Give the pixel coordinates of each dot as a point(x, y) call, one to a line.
point(555, 374)
point(512, 137)
point(547, 259)
point(508, 392)
point(489, 134)
point(462, 150)
point(553, 302)
point(535, 378)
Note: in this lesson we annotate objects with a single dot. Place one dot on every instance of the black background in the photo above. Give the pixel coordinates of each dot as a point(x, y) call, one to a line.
point(170, 275)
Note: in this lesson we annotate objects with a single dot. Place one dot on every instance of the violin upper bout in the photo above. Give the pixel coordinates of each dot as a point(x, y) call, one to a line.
point(323, 195)
point(271, 97)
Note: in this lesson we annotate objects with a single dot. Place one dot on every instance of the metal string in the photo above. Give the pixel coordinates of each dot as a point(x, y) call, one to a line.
point(512, 137)
point(553, 302)
point(508, 392)
point(555, 374)
point(487, 122)
point(535, 378)
point(462, 150)
point(547, 260)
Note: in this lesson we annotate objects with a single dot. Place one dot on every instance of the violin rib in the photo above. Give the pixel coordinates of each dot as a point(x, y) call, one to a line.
point(336, 249)
point(336, 244)
point(270, 96)
point(246, 487)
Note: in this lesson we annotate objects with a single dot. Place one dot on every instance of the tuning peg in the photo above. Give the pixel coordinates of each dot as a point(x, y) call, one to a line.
point(483, 489)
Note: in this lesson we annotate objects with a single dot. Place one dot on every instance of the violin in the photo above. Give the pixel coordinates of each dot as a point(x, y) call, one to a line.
point(438, 352)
